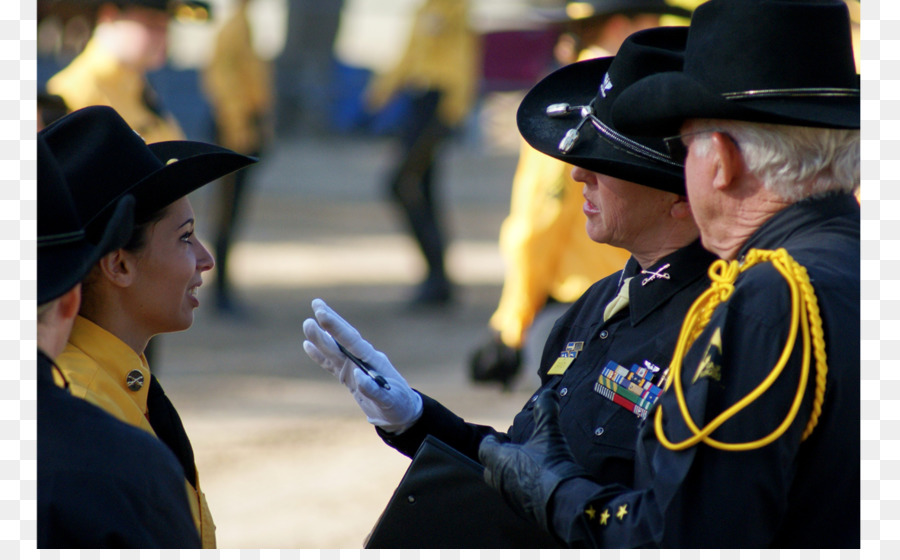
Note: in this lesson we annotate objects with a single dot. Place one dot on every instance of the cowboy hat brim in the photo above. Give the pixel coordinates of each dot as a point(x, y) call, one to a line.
point(659, 104)
point(576, 84)
point(188, 166)
point(185, 167)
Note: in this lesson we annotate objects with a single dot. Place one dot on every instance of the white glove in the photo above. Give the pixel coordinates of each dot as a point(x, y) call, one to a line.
point(394, 409)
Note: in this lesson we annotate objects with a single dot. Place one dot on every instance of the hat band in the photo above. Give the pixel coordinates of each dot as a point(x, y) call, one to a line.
point(617, 140)
point(60, 238)
point(627, 144)
point(791, 92)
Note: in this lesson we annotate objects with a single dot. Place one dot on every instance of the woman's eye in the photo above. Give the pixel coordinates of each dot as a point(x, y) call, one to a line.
point(187, 236)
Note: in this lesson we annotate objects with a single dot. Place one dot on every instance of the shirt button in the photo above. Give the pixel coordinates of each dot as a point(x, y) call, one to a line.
point(534, 398)
point(599, 431)
point(563, 392)
point(604, 334)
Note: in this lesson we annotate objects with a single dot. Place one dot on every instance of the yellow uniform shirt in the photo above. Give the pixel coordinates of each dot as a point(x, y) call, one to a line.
point(96, 77)
point(238, 85)
point(544, 243)
point(97, 365)
point(444, 54)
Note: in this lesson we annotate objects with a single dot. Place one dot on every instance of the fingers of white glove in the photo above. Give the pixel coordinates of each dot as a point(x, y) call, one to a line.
point(330, 320)
point(370, 389)
point(337, 369)
point(341, 330)
point(323, 341)
point(313, 352)
point(315, 334)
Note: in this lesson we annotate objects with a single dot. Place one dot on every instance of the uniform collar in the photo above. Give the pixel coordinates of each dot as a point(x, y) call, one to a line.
point(115, 358)
point(655, 285)
point(44, 368)
point(798, 217)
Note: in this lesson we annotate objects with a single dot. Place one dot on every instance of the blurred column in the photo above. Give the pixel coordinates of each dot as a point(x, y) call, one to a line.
point(303, 70)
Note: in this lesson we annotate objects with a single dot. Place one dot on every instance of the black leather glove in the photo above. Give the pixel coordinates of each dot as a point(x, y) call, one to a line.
point(527, 474)
point(494, 361)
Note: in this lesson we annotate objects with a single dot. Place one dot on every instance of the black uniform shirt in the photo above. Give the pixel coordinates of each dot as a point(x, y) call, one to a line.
point(601, 433)
point(787, 494)
point(103, 483)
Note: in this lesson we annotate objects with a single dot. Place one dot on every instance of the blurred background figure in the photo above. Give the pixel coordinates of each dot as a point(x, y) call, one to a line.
point(438, 75)
point(130, 39)
point(550, 260)
point(238, 85)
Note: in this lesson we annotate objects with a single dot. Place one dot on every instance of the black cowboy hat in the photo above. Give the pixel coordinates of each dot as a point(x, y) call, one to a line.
point(554, 107)
point(769, 61)
point(102, 159)
point(600, 8)
point(64, 255)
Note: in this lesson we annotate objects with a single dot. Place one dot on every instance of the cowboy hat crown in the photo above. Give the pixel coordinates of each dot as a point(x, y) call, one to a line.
point(103, 159)
point(567, 114)
point(64, 256)
point(770, 61)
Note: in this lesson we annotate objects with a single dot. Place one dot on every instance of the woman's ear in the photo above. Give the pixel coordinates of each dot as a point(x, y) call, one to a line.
point(118, 267)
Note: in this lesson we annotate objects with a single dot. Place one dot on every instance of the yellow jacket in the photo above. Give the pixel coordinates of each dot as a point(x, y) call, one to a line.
point(544, 242)
point(443, 53)
point(97, 364)
point(95, 77)
point(238, 85)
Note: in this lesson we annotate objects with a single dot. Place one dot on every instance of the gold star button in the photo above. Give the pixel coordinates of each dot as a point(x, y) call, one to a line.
point(623, 511)
point(591, 512)
point(604, 517)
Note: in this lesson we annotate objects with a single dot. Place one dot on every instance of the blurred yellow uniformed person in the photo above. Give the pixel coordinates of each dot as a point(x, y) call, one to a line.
point(238, 85)
point(438, 73)
point(129, 40)
point(548, 255)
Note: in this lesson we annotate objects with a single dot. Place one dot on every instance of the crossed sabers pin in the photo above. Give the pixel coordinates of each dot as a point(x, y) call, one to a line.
point(654, 275)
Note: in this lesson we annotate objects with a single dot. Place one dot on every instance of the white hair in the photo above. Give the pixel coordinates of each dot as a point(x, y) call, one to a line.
point(793, 162)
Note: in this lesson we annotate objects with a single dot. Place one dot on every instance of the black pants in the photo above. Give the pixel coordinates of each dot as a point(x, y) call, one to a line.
point(412, 185)
point(229, 208)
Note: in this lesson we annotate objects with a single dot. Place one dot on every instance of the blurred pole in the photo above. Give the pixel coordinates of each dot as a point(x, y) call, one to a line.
point(303, 71)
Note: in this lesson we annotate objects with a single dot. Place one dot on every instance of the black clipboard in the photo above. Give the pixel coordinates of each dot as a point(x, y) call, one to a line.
point(443, 502)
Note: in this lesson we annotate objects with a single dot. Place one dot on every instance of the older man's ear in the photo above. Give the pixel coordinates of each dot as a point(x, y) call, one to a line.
point(729, 165)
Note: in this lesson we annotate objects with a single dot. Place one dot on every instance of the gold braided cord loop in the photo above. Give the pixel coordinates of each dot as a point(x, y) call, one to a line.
point(805, 318)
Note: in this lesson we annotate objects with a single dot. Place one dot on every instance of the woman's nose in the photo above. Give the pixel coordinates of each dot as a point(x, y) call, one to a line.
point(205, 260)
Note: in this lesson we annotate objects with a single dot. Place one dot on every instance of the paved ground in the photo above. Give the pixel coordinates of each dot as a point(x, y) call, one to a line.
point(285, 457)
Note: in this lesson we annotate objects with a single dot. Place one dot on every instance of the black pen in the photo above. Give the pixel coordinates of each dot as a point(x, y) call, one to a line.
point(366, 368)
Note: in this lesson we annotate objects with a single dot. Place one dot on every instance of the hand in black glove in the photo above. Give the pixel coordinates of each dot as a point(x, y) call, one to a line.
point(527, 474)
point(495, 361)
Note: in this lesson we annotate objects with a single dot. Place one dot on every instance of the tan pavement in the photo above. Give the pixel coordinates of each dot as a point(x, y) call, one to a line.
point(285, 457)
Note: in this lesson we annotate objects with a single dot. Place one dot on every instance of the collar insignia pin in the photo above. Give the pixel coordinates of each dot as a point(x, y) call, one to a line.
point(135, 380)
point(654, 275)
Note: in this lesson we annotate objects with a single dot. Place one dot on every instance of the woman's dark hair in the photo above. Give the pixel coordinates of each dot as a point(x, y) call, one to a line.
point(142, 224)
